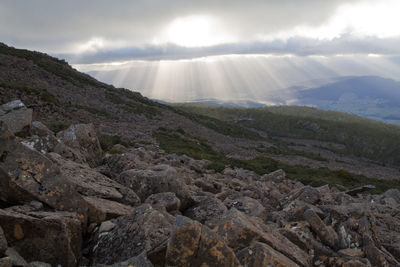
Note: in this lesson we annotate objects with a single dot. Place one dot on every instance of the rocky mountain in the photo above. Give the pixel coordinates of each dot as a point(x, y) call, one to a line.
point(92, 175)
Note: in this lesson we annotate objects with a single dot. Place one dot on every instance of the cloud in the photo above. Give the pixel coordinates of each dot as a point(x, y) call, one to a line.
point(299, 46)
point(61, 26)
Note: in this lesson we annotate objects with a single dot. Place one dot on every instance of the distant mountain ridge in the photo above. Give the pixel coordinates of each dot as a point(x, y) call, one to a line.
point(368, 96)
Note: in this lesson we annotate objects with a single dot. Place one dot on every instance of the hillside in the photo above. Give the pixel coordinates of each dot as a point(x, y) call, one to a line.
point(92, 175)
point(61, 96)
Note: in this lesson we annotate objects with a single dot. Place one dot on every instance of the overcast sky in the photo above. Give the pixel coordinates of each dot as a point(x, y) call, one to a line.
point(94, 31)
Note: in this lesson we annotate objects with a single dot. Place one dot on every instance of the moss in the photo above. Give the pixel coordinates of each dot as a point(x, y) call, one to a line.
point(98, 112)
point(42, 93)
point(57, 126)
point(138, 108)
point(108, 141)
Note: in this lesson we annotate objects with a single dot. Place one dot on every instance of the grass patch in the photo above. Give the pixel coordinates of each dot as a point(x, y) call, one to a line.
point(31, 90)
point(220, 126)
point(57, 126)
point(138, 108)
point(174, 142)
point(98, 112)
point(108, 141)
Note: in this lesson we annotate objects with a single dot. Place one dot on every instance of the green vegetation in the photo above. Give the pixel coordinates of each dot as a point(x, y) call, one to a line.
point(281, 149)
point(220, 126)
point(108, 141)
point(361, 137)
point(98, 112)
point(52, 65)
point(42, 93)
point(174, 142)
point(57, 126)
point(129, 106)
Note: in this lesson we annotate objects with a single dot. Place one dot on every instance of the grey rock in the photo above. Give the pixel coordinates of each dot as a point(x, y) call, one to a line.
point(17, 117)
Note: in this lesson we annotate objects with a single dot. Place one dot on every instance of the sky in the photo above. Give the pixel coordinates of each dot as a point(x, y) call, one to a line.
point(206, 42)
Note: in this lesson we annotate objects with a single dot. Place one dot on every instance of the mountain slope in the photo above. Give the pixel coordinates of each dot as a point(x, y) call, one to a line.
point(60, 96)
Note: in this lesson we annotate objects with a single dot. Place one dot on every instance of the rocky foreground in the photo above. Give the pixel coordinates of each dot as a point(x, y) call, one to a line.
point(65, 203)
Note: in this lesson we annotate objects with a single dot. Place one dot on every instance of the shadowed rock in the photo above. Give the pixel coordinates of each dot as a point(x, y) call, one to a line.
point(260, 254)
point(53, 237)
point(145, 229)
point(193, 244)
point(325, 233)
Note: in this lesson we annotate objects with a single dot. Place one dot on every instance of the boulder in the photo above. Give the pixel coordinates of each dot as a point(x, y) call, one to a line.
point(38, 264)
point(192, 244)
point(393, 193)
point(100, 210)
point(360, 189)
point(138, 261)
point(260, 254)
point(378, 257)
point(249, 206)
point(239, 231)
point(89, 182)
point(53, 237)
point(208, 209)
point(326, 233)
point(13, 258)
point(118, 163)
point(276, 176)
point(145, 229)
point(306, 194)
point(27, 175)
point(17, 117)
point(167, 200)
point(41, 130)
point(83, 138)
point(157, 179)
point(3, 243)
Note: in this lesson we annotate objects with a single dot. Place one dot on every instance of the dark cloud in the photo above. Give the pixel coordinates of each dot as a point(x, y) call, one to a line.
point(296, 46)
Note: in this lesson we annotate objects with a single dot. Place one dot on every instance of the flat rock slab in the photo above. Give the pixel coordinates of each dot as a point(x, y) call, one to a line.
point(89, 182)
point(100, 210)
point(53, 237)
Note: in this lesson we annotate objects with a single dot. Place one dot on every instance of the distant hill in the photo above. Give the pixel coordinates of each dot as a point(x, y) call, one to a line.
point(368, 96)
point(360, 136)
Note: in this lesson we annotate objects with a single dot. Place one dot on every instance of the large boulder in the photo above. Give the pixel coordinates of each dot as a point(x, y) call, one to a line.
point(3, 243)
point(83, 138)
point(17, 117)
point(248, 205)
point(239, 230)
point(260, 254)
point(145, 229)
point(157, 179)
point(53, 237)
point(208, 209)
point(192, 244)
point(326, 233)
point(27, 175)
point(137, 261)
point(89, 182)
point(167, 201)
